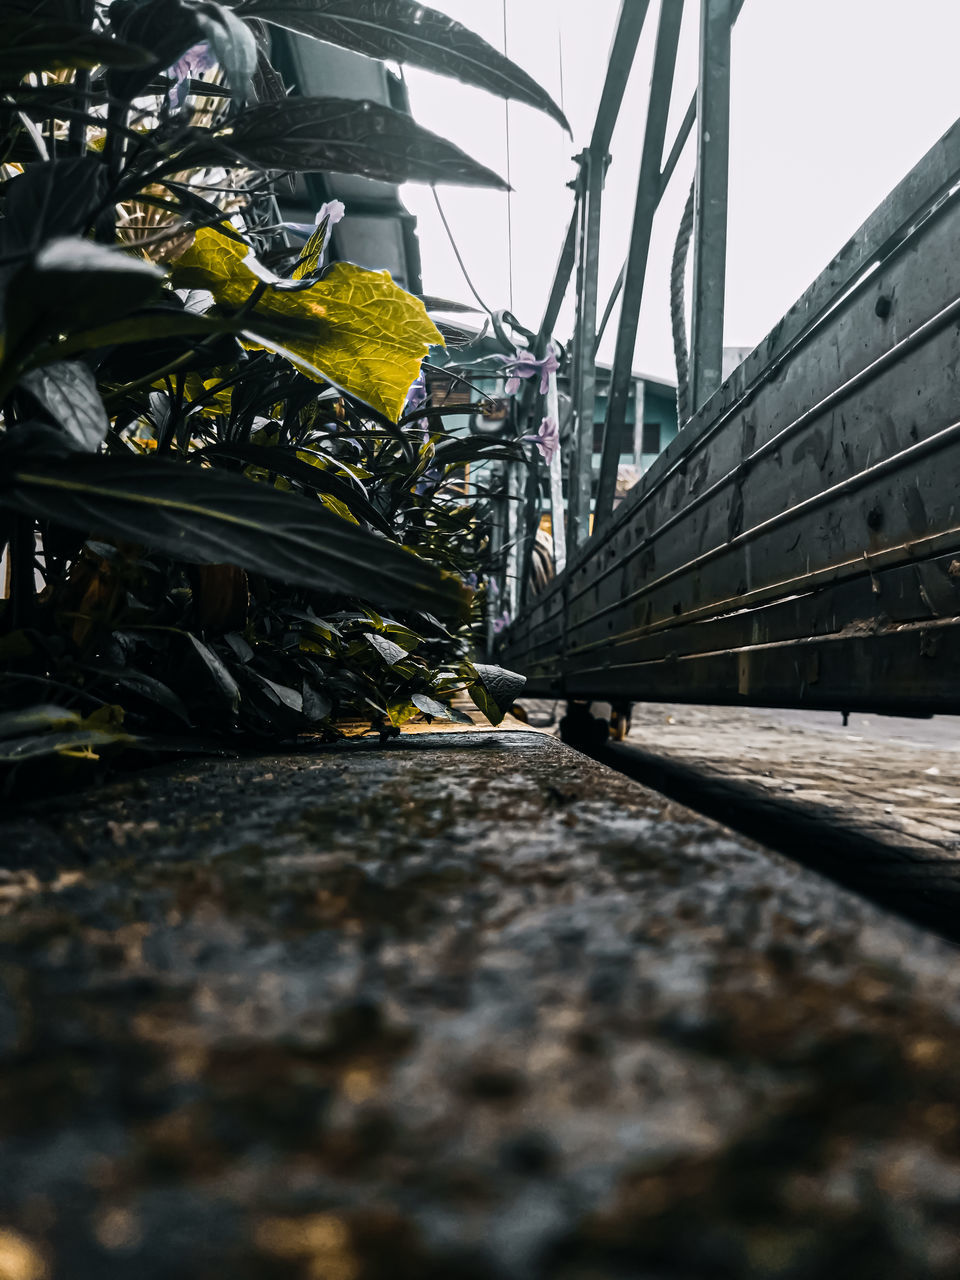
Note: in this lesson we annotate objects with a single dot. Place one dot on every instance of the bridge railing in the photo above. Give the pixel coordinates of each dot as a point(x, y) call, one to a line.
point(798, 543)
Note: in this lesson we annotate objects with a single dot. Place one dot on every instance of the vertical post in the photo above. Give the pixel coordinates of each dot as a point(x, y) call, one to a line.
point(649, 190)
point(585, 369)
point(556, 484)
point(594, 161)
point(710, 201)
point(639, 397)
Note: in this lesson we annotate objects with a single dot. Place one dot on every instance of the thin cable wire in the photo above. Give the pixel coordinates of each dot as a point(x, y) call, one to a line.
point(457, 254)
point(563, 105)
point(506, 130)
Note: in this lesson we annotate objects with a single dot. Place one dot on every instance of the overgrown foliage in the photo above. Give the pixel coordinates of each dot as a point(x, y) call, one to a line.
point(218, 518)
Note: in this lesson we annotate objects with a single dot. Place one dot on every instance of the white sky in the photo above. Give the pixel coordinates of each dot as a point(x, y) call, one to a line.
point(833, 101)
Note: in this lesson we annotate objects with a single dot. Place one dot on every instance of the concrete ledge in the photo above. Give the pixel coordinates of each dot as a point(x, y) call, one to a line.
point(468, 1006)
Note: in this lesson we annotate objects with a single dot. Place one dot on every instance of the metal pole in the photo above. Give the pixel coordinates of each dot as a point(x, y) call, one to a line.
point(649, 190)
point(710, 203)
point(585, 369)
point(594, 162)
point(556, 485)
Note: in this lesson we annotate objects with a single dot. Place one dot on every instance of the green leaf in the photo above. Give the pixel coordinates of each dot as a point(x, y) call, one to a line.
point(342, 135)
point(61, 46)
point(67, 390)
point(163, 333)
point(354, 327)
point(15, 724)
point(439, 710)
point(476, 448)
point(285, 462)
point(63, 742)
point(495, 690)
point(406, 31)
point(233, 45)
point(289, 697)
point(50, 199)
point(146, 687)
point(166, 28)
point(45, 730)
point(210, 517)
point(391, 653)
point(225, 689)
point(73, 284)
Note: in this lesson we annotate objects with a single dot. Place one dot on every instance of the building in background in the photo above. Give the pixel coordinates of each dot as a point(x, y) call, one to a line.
point(377, 232)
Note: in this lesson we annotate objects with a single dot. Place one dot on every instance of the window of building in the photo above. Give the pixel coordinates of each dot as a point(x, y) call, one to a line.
point(651, 437)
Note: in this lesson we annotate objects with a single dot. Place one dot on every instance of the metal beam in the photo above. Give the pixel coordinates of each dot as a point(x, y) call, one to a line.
point(648, 197)
point(633, 14)
point(585, 369)
point(593, 164)
point(710, 203)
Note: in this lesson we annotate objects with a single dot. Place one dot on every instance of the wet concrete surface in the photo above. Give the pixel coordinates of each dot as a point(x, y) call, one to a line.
point(467, 1006)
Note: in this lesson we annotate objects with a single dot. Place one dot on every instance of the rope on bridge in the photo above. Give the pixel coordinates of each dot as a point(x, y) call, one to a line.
point(678, 319)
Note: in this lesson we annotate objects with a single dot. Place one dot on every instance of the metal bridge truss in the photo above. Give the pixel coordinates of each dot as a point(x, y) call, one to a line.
point(798, 543)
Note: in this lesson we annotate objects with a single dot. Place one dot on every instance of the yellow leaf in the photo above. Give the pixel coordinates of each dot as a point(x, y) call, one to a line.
point(358, 328)
point(309, 260)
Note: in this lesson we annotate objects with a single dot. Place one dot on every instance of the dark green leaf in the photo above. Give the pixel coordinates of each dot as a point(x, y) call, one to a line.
point(343, 135)
point(15, 750)
point(50, 199)
point(391, 653)
point(284, 462)
point(474, 448)
point(406, 31)
point(166, 28)
point(146, 687)
point(61, 46)
point(495, 690)
point(67, 390)
point(155, 336)
point(433, 303)
point(15, 724)
point(439, 710)
point(289, 697)
point(232, 43)
point(316, 707)
point(69, 285)
point(225, 689)
point(210, 517)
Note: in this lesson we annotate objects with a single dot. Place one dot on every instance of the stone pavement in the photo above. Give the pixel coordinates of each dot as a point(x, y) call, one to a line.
point(465, 1006)
point(896, 780)
point(875, 804)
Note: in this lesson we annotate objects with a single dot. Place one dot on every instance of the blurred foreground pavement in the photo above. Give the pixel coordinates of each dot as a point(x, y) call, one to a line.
point(472, 1005)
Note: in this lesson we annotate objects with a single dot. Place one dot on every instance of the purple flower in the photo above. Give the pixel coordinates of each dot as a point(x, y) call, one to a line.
point(417, 395)
point(527, 366)
point(190, 66)
point(547, 439)
point(502, 622)
point(470, 580)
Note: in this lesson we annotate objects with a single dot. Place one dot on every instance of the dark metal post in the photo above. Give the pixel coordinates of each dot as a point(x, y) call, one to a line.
point(649, 188)
point(585, 371)
point(593, 169)
point(710, 204)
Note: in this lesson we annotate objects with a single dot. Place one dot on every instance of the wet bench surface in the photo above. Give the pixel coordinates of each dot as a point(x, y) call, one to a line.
point(468, 1006)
